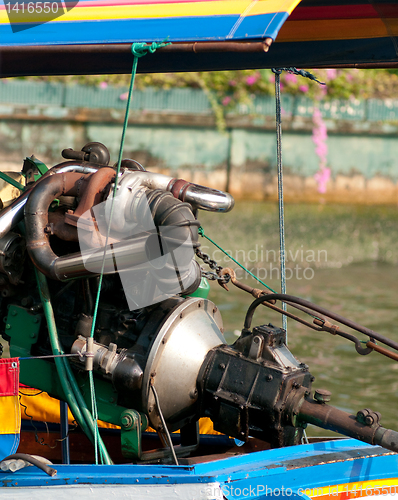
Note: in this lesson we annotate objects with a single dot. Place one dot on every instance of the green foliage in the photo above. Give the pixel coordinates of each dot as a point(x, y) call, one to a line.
point(240, 85)
point(227, 89)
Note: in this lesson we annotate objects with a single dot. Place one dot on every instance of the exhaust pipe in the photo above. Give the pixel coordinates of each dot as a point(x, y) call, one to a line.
point(175, 219)
point(13, 214)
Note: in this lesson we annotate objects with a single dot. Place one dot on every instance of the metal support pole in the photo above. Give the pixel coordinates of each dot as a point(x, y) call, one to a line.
point(63, 410)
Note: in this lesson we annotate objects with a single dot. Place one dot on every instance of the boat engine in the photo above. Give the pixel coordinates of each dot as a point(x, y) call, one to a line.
point(157, 348)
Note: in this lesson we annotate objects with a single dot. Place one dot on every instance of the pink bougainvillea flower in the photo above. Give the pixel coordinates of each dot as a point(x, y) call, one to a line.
point(331, 73)
point(290, 78)
point(319, 138)
point(251, 80)
point(304, 88)
point(124, 96)
point(322, 177)
point(103, 85)
point(226, 100)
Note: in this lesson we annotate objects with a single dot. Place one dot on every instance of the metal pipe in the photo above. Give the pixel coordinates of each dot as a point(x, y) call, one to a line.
point(165, 209)
point(208, 199)
point(201, 197)
point(196, 195)
point(36, 217)
point(222, 46)
point(64, 424)
point(330, 418)
point(119, 257)
point(126, 253)
point(13, 214)
point(291, 299)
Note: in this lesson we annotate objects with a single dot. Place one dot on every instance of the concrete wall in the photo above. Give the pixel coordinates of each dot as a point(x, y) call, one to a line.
point(363, 155)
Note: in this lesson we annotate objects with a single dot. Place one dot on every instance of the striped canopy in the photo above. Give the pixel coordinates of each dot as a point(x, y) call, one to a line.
point(94, 36)
point(121, 21)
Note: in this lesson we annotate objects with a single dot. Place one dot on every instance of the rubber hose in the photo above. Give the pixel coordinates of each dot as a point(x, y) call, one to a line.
point(71, 390)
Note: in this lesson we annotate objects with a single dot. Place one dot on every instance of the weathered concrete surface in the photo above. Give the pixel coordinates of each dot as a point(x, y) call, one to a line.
point(363, 157)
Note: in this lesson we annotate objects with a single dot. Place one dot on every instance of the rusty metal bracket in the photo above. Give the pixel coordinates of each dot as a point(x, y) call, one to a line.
point(228, 271)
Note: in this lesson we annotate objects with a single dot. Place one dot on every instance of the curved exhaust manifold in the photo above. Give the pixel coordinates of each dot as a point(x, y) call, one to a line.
point(173, 233)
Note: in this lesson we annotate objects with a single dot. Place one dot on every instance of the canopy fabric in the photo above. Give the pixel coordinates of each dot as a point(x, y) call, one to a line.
point(339, 32)
point(121, 21)
point(94, 36)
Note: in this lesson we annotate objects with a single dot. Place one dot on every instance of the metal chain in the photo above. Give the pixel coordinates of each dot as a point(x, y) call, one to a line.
point(212, 276)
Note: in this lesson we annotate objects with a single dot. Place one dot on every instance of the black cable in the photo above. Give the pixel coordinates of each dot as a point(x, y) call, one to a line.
point(32, 460)
point(166, 431)
point(321, 310)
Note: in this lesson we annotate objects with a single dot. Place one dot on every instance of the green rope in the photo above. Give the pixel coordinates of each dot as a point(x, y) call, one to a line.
point(68, 382)
point(202, 233)
point(138, 50)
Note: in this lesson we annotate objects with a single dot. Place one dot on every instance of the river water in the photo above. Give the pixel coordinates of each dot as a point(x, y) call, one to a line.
point(344, 258)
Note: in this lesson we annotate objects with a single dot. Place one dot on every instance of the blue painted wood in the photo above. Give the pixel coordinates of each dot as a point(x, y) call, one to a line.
point(303, 466)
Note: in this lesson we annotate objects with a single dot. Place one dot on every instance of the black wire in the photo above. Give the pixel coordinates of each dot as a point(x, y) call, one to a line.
point(320, 310)
point(165, 429)
point(37, 439)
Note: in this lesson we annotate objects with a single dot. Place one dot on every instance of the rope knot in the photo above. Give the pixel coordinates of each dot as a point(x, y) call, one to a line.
point(141, 49)
point(201, 231)
point(298, 72)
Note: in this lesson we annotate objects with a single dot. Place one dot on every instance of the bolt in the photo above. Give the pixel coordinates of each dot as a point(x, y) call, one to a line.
point(126, 421)
point(14, 313)
point(214, 309)
point(369, 420)
point(296, 385)
point(322, 395)
point(8, 326)
point(35, 319)
point(256, 340)
point(268, 378)
point(153, 374)
point(221, 366)
point(32, 335)
point(193, 394)
point(312, 378)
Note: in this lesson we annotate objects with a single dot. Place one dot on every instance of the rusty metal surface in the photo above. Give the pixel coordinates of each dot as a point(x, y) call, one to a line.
point(92, 193)
point(330, 458)
point(382, 350)
point(57, 226)
point(357, 427)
